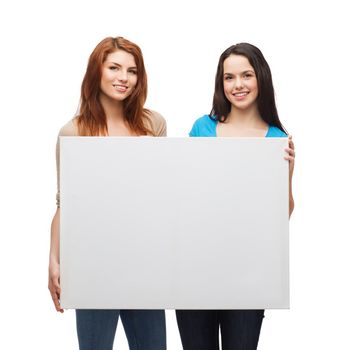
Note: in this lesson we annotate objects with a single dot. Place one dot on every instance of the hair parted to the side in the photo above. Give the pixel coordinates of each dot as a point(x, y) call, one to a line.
point(266, 96)
point(91, 117)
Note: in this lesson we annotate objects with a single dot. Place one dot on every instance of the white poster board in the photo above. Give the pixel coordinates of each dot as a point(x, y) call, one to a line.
point(184, 223)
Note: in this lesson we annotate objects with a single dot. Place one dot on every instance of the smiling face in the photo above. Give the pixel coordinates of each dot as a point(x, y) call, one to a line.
point(240, 82)
point(119, 75)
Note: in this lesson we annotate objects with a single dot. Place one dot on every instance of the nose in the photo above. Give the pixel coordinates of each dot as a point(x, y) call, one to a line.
point(122, 75)
point(238, 83)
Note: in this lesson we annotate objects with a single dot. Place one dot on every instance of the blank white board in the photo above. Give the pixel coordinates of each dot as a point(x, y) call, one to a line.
point(164, 223)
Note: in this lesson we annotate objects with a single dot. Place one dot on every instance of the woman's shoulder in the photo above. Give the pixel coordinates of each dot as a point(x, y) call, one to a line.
point(206, 119)
point(70, 128)
point(204, 126)
point(274, 131)
point(156, 122)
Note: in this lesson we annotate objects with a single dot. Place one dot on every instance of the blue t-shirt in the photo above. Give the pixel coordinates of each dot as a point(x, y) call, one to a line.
point(206, 127)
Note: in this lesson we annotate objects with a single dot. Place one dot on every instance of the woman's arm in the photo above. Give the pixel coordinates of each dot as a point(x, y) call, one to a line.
point(291, 199)
point(70, 129)
point(54, 264)
point(290, 157)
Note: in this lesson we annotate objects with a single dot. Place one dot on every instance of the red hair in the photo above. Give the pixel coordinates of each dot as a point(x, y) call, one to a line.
point(92, 118)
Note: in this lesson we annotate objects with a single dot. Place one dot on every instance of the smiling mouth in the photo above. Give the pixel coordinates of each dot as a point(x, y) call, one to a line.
point(121, 88)
point(240, 94)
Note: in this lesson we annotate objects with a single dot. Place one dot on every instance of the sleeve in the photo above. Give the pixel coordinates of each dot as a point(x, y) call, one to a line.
point(67, 130)
point(158, 124)
point(194, 130)
point(280, 133)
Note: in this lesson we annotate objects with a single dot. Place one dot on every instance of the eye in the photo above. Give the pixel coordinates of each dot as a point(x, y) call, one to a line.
point(227, 77)
point(133, 71)
point(113, 68)
point(247, 75)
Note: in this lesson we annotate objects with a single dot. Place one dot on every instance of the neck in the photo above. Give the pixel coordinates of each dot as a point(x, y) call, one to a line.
point(113, 109)
point(245, 117)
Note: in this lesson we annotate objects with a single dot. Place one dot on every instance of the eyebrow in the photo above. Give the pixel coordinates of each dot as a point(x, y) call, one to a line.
point(117, 64)
point(244, 72)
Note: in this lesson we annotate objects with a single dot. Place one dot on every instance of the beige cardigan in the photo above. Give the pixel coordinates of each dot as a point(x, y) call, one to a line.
point(156, 123)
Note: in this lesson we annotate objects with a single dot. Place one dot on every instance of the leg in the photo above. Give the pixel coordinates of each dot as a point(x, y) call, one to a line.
point(240, 329)
point(145, 329)
point(199, 329)
point(96, 328)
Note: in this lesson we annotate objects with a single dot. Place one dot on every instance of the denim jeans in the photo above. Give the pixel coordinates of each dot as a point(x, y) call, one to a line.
point(145, 329)
point(199, 329)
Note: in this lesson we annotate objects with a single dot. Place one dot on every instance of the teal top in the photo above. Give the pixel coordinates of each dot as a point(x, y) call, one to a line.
point(206, 127)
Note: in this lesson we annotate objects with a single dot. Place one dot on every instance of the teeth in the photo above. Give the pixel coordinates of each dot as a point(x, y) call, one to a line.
point(241, 94)
point(119, 87)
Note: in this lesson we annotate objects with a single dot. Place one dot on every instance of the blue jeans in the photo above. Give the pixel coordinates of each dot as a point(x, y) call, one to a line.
point(145, 329)
point(199, 329)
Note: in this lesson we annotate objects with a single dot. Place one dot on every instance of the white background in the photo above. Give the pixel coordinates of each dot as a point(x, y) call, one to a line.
point(44, 50)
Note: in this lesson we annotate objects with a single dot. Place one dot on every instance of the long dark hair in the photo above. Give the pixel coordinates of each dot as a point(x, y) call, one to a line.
point(91, 117)
point(266, 97)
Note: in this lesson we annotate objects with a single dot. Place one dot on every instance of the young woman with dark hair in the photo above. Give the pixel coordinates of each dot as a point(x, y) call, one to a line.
point(113, 94)
point(243, 106)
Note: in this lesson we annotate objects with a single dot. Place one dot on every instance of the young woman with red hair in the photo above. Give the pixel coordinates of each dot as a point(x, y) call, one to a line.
point(113, 94)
